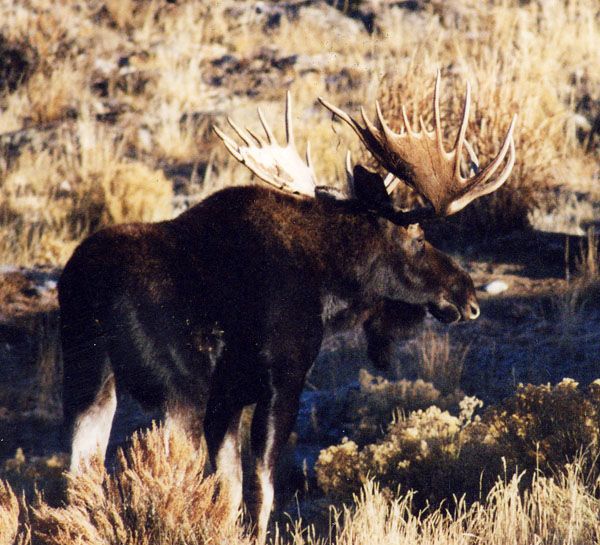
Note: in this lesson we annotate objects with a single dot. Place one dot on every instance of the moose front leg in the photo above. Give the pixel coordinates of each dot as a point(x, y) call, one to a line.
point(274, 418)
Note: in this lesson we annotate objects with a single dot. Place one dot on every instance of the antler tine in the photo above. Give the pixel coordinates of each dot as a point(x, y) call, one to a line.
point(240, 132)
point(480, 184)
point(279, 166)
point(389, 134)
point(289, 132)
point(270, 138)
point(507, 144)
point(406, 121)
point(348, 163)
point(436, 112)
point(257, 137)
point(369, 136)
point(231, 146)
point(508, 167)
point(370, 126)
point(354, 125)
point(460, 137)
point(349, 173)
point(472, 156)
point(308, 159)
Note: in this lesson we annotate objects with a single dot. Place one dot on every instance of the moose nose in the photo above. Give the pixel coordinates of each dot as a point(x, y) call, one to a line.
point(474, 311)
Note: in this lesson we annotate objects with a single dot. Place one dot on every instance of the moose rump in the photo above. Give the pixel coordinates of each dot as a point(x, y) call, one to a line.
point(119, 324)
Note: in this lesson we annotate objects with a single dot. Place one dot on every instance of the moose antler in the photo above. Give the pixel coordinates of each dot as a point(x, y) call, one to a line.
point(420, 160)
point(279, 166)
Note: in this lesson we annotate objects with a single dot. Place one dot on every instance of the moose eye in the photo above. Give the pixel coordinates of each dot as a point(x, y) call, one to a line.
point(419, 243)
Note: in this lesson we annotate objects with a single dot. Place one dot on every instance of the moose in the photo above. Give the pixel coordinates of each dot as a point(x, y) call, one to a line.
point(225, 306)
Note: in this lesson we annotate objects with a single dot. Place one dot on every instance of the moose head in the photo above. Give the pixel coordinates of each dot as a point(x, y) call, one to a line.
point(409, 268)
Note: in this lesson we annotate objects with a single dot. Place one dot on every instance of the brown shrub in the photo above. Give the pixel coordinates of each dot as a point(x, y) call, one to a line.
point(158, 494)
point(546, 424)
point(12, 531)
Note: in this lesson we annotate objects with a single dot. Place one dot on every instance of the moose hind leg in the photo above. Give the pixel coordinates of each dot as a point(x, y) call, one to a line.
point(91, 427)
point(271, 426)
point(222, 432)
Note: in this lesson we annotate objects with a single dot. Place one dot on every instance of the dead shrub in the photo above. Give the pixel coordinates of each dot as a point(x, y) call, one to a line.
point(14, 529)
point(158, 494)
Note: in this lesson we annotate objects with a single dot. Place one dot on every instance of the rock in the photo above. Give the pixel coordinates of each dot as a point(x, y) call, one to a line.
point(495, 287)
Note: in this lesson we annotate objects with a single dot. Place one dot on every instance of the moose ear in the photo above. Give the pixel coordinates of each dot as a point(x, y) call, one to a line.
point(370, 189)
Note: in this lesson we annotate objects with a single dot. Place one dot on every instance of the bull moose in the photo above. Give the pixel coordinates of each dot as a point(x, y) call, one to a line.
point(225, 305)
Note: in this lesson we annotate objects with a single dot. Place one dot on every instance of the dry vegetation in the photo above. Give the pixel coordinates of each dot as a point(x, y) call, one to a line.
point(159, 494)
point(107, 94)
point(442, 455)
point(105, 115)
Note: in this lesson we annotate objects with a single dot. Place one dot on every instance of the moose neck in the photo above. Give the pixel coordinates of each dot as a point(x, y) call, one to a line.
point(339, 249)
point(342, 246)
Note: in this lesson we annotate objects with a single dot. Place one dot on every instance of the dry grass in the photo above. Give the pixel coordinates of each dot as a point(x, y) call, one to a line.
point(9, 515)
point(160, 496)
point(51, 198)
point(571, 309)
point(555, 510)
point(438, 362)
point(145, 79)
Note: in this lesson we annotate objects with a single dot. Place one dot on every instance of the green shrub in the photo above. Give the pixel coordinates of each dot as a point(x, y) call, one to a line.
point(369, 409)
point(442, 455)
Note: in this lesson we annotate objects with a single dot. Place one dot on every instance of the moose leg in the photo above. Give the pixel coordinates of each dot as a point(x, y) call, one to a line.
point(184, 416)
point(222, 433)
point(91, 427)
point(271, 426)
point(89, 395)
